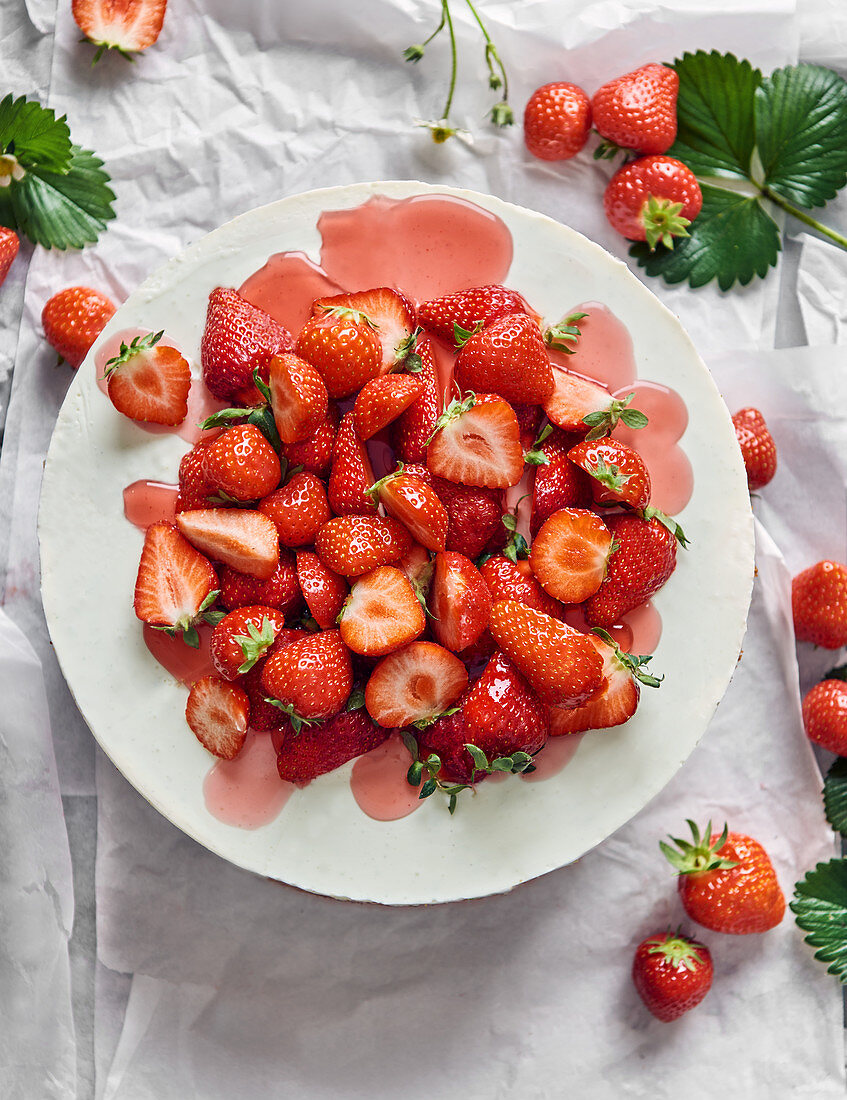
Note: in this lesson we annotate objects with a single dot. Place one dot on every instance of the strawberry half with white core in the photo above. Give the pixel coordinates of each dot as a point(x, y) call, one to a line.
point(477, 442)
point(414, 685)
point(393, 317)
point(617, 699)
point(149, 381)
point(175, 584)
point(238, 338)
point(577, 403)
point(246, 540)
point(469, 310)
point(507, 358)
point(218, 714)
point(415, 504)
point(570, 553)
point(126, 26)
point(618, 473)
point(382, 613)
point(298, 397)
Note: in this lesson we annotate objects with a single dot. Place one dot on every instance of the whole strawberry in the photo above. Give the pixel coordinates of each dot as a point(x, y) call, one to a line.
point(653, 199)
point(507, 358)
point(242, 463)
point(9, 245)
point(469, 309)
point(73, 319)
point(638, 110)
point(672, 974)
point(726, 882)
point(825, 712)
point(557, 121)
point(238, 338)
point(757, 447)
point(316, 749)
point(819, 604)
point(343, 345)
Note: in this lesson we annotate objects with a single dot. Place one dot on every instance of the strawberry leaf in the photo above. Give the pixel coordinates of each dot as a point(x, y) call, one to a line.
point(34, 136)
point(835, 796)
point(820, 909)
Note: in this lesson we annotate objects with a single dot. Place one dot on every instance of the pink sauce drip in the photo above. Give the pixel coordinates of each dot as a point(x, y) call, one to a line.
point(638, 631)
point(604, 349)
point(378, 782)
point(148, 502)
point(287, 286)
point(670, 471)
point(181, 661)
point(556, 755)
point(247, 792)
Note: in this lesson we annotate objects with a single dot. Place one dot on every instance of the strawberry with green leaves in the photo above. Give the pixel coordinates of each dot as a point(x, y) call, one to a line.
point(175, 583)
point(469, 310)
point(312, 678)
point(638, 110)
point(237, 339)
point(653, 199)
point(343, 345)
point(149, 381)
point(243, 539)
point(618, 473)
point(352, 545)
point(218, 714)
point(242, 638)
point(381, 614)
point(392, 317)
point(570, 554)
point(415, 684)
point(412, 501)
point(299, 509)
point(241, 464)
point(508, 358)
point(127, 27)
point(672, 974)
point(477, 442)
point(264, 716)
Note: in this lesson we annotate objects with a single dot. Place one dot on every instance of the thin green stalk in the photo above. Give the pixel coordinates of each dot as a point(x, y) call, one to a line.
point(453, 59)
point(807, 219)
point(491, 53)
point(437, 30)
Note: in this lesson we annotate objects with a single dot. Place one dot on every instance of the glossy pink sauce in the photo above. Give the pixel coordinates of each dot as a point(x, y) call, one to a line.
point(148, 502)
point(378, 782)
point(181, 661)
point(638, 631)
point(554, 757)
point(671, 475)
point(304, 281)
point(247, 791)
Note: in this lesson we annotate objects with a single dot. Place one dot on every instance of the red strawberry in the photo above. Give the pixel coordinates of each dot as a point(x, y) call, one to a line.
point(638, 110)
point(218, 714)
point(149, 381)
point(529, 419)
point(727, 882)
point(352, 545)
point(9, 245)
point(194, 486)
point(507, 358)
point(411, 431)
point(561, 665)
point(351, 477)
point(573, 399)
point(299, 509)
point(245, 540)
point(644, 559)
point(125, 26)
point(825, 712)
point(819, 604)
point(557, 121)
point(383, 399)
point(672, 974)
point(653, 199)
point(414, 684)
point(313, 677)
point(413, 502)
point(469, 309)
point(264, 716)
point(242, 638)
point(382, 613)
point(558, 482)
point(391, 314)
point(280, 590)
point(241, 463)
point(315, 454)
point(474, 513)
point(73, 319)
point(477, 442)
point(618, 473)
point(508, 580)
point(459, 600)
point(570, 554)
point(344, 347)
point(323, 590)
point(418, 567)
point(238, 338)
point(318, 749)
point(298, 397)
point(757, 447)
point(174, 583)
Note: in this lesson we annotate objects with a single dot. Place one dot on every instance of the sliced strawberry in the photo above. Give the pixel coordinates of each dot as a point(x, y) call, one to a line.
point(242, 637)
point(415, 504)
point(194, 487)
point(411, 431)
point(241, 464)
point(218, 714)
point(280, 590)
point(508, 580)
point(245, 540)
point(415, 684)
point(352, 545)
point(298, 397)
point(342, 344)
point(559, 483)
point(315, 454)
point(125, 27)
point(570, 554)
point(418, 567)
point(393, 316)
point(149, 381)
point(238, 338)
point(174, 583)
point(299, 509)
point(459, 600)
point(507, 358)
point(573, 399)
point(383, 399)
point(474, 515)
point(323, 589)
point(469, 309)
point(318, 749)
point(477, 442)
point(312, 677)
point(351, 477)
point(382, 613)
point(618, 473)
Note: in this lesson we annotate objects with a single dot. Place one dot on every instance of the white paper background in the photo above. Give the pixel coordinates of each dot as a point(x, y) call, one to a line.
point(242, 987)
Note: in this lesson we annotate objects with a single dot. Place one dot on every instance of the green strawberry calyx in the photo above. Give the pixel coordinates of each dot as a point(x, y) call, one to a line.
point(186, 626)
point(297, 720)
point(255, 643)
point(129, 351)
point(457, 407)
point(607, 475)
point(662, 221)
point(649, 513)
point(535, 456)
point(632, 662)
point(346, 313)
point(698, 855)
point(604, 421)
point(405, 356)
point(564, 335)
point(677, 950)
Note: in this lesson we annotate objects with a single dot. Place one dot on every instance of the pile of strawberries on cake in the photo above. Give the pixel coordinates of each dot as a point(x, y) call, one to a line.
point(346, 606)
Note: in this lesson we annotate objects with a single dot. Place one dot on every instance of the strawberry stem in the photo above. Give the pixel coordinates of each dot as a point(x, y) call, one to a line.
point(501, 113)
point(806, 219)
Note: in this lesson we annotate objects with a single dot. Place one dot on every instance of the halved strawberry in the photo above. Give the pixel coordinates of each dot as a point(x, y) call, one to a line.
point(383, 399)
point(315, 454)
point(243, 539)
point(322, 748)
point(323, 589)
point(242, 637)
point(415, 504)
point(574, 398)
point(509, 580)
point(477, 442)
point(390, 312)
point(570, 554)
point(411, 431)
point(507, 358)
point(471, 310)
point(618, 473)
point(218, 714)
point(241, 463)
point(459, 601)
point(415, 684)
point(175, 583)
point(298, 397)
point(149, 381)
point(312, 678)
point(237, 339)
point(127, 26)
point(299, 509)
point(352, 545)
point(280, 590)
point(382, 613)
point(418, 567)
point(351, 476)
point(343, 346)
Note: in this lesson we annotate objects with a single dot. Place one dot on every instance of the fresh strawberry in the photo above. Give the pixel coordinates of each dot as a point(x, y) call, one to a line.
point(757, 447)
point(312, 677)
point(558, 482)
point(298, 397)
point(414, 684)
point(9, 245)
point(825, 712)
point(819, 604)
point(241, 463)
point(245, 540)
point(351, 476)
point(126, 26)
point(459, 601)
point(474, 513)
point(299, 509)
point(315, 454)
point(638, 110)
point(175, 583)
point(264, 716)
point(411, 431)
point(318, 749)
point(323, 590)
point(477, 442)
point(280, 590)
point(726, 882)
point(557, 121)
point(391, 314)
point(218, 714)
point(238, 339)
point(242, 637)
point(561, 665)
point(73, 319)
point(653, 199)
point(194, 487)
point(418, 567)
point(672, 974)
point(508, 580)
point(414, 502)
point(574, 398)
point(344, 347)
point(644, 559)
point(352, 545)
point(469, 309)
point(383, 399)
point(382, 613)
point(529, 419)
point(618, 473)
point(570, 554)
point(508, 358)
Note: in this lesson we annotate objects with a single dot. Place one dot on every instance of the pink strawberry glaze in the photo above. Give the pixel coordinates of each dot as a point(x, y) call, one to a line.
point(556, 755)
point(181, 661)
point(287, 286)
point(638, 631)
point(148, 502)
point(247, 791)
point(670, 471)
point(604, 350)
point(378, 782)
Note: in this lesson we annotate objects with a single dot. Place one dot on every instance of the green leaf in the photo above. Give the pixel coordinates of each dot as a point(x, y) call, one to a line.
point(478, 756)
point(428, 788)
point(63, 211)
point(715, 135)
point(801, 133)
point(732, 240)
point(835, 795)
point(34, 135)
point(820, 909)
